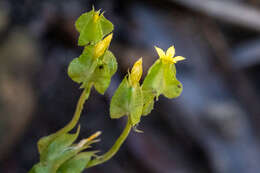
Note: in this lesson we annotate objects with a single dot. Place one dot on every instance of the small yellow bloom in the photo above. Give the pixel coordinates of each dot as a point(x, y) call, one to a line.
point(136, 72)
point(96, 16)
point(102, 46)
point(169, 55)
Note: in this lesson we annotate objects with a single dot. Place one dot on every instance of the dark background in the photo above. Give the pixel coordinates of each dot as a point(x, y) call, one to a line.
point(213, 127)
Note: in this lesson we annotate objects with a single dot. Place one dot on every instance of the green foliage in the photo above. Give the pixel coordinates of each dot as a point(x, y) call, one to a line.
point(61, 154)
point(104, 72)
point(95, 68)
point(148, 102)
point(127, 100)
point(161, 79)
point(92, 27)
point(93, 71)
point(77, 164)
point(82, 68)
point(58, 145)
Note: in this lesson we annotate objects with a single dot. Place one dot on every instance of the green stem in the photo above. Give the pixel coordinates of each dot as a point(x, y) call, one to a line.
point(43, 143)
point(113, 150)
point(83, 97)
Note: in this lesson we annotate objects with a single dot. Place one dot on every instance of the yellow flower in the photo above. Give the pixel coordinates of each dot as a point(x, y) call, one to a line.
point(102, 46)
point(168, 57)
point(136, 72)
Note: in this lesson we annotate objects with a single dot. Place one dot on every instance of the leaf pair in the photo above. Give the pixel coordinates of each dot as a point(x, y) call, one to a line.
point(161, 79)
point(92, 27)
point(128, 98)
point(61, 156)
point(93, 71)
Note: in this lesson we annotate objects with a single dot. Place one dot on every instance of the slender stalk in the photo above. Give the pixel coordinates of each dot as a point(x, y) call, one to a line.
point(83, 97)
point(113, 150)
point(43, 143)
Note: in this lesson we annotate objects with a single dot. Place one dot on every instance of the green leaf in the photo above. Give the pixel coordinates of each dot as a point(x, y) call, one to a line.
point(91, 30)
point(119, 105)
point(172, 87)
point(82, 68)
point(161, 79)
point(148, 101)
point(127, 100)
point(99, 71)
point(76, 164)
point(104, 72)
point(44, 142)
point(58, 145)
point(136, 104)
point(78, 70)
point(106, 25)
point(83, 20)
point(41, 168)
point(52, 166)
point(111, 62)
point(154, 79)
point(55, 153)
point(59, 152)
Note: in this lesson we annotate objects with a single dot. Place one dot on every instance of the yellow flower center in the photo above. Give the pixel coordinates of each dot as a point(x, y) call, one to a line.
point(168, 59)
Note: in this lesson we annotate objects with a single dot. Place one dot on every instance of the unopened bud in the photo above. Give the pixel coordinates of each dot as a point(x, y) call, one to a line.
point(96, 16)
point(136, 72)
point(102, 46)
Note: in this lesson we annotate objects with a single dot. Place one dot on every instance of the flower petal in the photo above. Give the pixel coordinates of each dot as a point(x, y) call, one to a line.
point(178, 58)
point(170, 52)
point(160, 52)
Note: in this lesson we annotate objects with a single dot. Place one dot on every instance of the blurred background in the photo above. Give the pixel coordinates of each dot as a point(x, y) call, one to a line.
point(213, 127)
